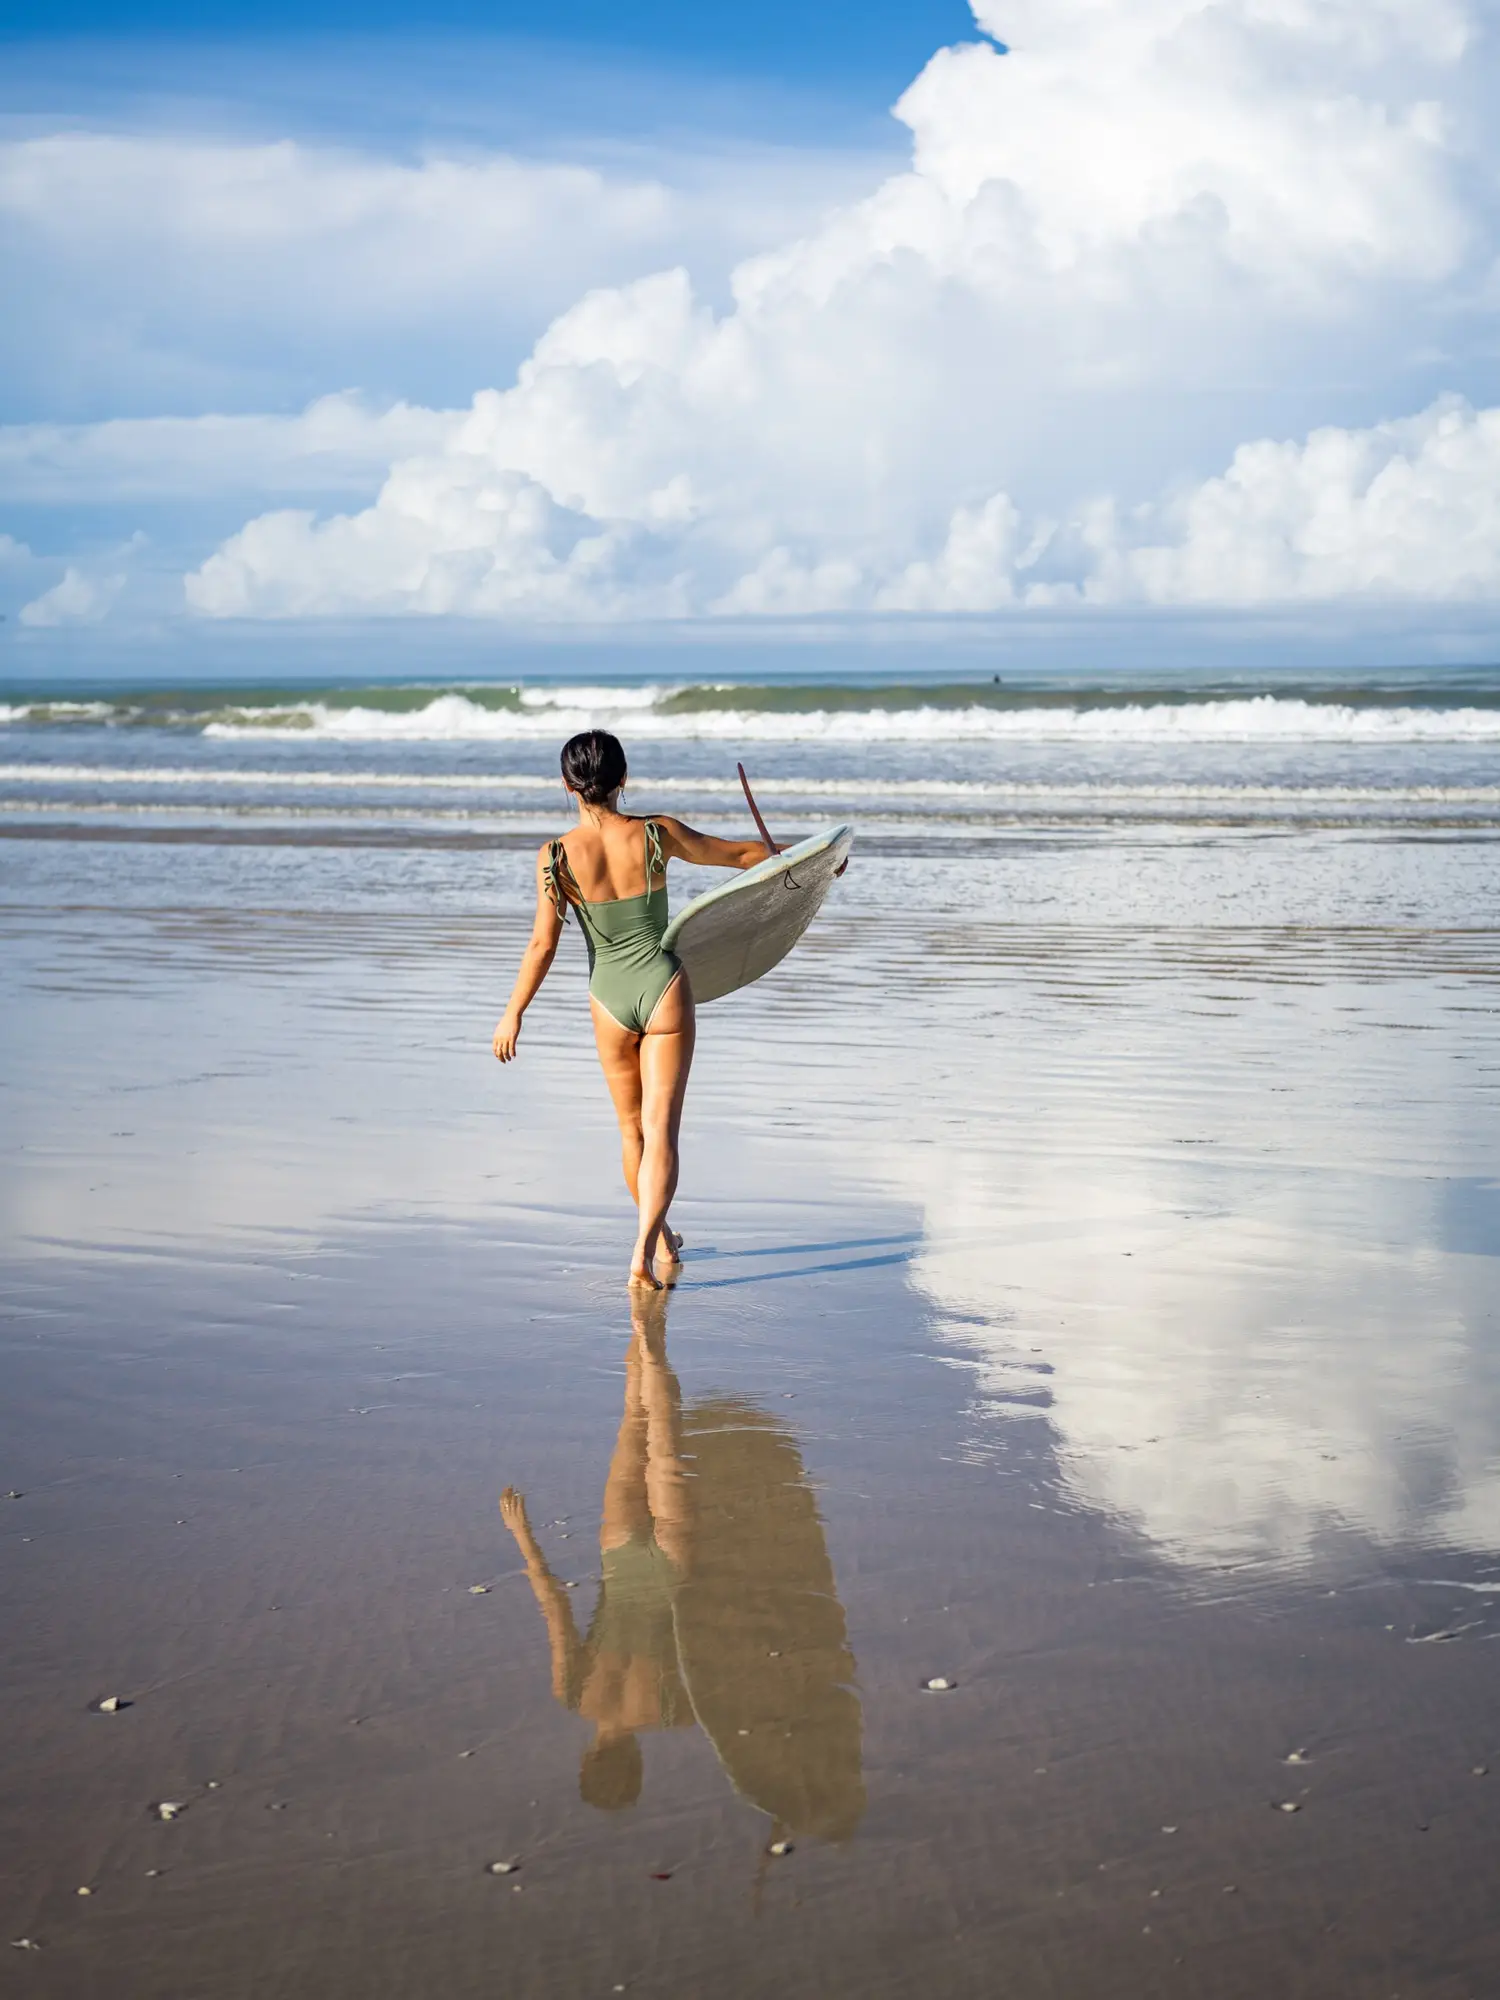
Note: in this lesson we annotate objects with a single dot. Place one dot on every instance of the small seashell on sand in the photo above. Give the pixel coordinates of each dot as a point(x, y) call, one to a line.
point(1286, 1805)
point(25, 1944)
point(112, 1704)
point(1297, 1757)
point(939, 1684)
point(85, 1890)
point(169, 1808)
point(1481, 1771)
point(479, 1590)
point(14, 1495)
point(780, 1847)
point(503, 1868)
point(1169, 1829)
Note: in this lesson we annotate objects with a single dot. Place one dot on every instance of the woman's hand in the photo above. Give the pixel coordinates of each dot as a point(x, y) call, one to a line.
point(507, 1035)
point(513, 1514)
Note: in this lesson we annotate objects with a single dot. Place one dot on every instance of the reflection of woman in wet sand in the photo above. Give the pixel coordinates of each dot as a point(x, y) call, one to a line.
point(611, 870)
point(624, 1677)
point(717, 1604)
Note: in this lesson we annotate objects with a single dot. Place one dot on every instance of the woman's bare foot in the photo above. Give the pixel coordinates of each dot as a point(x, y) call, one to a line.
point(641, 1272)
point(670, 1248)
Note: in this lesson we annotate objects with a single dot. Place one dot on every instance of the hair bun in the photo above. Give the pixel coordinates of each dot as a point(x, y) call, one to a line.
point(593, 765)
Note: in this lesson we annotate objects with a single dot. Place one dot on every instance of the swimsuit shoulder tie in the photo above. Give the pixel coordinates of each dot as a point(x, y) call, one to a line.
point(655, 860)
point(552, 877)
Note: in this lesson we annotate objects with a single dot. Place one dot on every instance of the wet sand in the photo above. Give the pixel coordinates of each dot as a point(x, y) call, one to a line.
point(1099, 1316)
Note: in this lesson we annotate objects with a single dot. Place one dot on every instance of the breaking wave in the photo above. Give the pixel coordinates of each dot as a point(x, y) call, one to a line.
point(1256, 719)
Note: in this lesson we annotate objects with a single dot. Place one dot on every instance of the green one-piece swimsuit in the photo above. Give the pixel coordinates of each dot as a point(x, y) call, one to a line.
point(628, 970)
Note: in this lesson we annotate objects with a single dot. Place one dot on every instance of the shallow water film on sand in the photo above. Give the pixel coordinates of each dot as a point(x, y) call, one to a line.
point(1049, 1540)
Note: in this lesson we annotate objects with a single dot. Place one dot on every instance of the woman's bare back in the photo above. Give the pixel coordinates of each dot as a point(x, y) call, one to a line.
point(608, 858)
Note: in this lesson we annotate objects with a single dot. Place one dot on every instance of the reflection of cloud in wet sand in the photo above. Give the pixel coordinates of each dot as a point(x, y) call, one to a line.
point(1247, 1345)
point(1248, 1394)
point(717, 1606)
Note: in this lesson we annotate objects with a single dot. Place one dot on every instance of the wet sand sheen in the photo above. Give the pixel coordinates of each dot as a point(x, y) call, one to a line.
point(1145, 1395)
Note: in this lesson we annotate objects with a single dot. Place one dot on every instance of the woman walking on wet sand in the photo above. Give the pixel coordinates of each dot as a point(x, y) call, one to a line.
point(611, 868)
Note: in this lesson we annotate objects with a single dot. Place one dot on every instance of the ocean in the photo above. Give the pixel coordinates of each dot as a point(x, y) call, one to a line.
point(949, 765)
point(1089, 1305)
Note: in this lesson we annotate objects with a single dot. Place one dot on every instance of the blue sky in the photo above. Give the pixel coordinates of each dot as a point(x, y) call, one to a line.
point(866, 53)
point(330, 321)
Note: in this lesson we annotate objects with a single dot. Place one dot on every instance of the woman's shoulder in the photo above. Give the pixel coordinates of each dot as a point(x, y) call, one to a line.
point(554, 851)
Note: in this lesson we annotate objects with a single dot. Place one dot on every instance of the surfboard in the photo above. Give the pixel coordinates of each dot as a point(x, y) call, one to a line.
point(734, 934)
point(762, 1644)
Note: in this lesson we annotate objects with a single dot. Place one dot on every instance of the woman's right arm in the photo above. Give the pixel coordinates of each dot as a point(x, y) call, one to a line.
point(685, 843)
point(536, 963)
point(551, 1596)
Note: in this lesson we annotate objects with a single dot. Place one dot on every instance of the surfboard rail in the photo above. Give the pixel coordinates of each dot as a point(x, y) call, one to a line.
point(734, 934)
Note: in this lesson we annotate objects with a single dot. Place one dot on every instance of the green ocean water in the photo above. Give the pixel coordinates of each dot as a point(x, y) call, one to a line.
point(307, 705)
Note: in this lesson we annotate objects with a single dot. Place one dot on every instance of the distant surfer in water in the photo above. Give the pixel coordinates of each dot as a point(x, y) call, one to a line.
point(612, 869)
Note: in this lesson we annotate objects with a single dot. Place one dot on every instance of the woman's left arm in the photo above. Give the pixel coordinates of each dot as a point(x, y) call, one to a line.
point(685, 843)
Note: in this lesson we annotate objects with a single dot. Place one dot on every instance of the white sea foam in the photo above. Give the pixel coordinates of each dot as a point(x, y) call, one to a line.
point(57, 711)
point(957, 792)
point(618, 700)
point(1256, 719)
point(207, 776)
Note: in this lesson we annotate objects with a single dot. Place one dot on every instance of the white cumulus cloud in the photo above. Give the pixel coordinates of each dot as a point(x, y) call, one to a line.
point(1406, 509)
point(1020, 372)
point(77, 599)
point(163, 271)
point(337, 444)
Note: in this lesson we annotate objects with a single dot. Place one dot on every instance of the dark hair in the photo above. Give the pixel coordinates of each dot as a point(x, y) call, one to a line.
point(610, 1777)
point(593, 765)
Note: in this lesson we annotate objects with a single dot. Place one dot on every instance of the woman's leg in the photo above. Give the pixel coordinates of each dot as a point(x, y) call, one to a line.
point(620, 1059)
point(627, 1510)
point(669, 1491)
point(666, 1056)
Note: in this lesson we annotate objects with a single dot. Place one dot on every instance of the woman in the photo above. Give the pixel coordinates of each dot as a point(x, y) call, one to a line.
point(625, 1676)
point(717, 1605)
point(611, 868)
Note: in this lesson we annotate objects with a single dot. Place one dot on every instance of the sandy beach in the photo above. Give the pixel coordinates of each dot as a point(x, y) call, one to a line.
point(1089, 1303)
point(1043, 1543)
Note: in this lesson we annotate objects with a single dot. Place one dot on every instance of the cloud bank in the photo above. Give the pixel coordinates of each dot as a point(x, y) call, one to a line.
point(1176, 304)
point(163, 273)
point(1125, 244)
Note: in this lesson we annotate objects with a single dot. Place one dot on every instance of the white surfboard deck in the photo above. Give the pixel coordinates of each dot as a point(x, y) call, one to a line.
point(734, 934)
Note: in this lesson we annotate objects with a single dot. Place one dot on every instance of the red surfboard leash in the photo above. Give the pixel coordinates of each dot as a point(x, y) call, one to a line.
point(760, 825)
